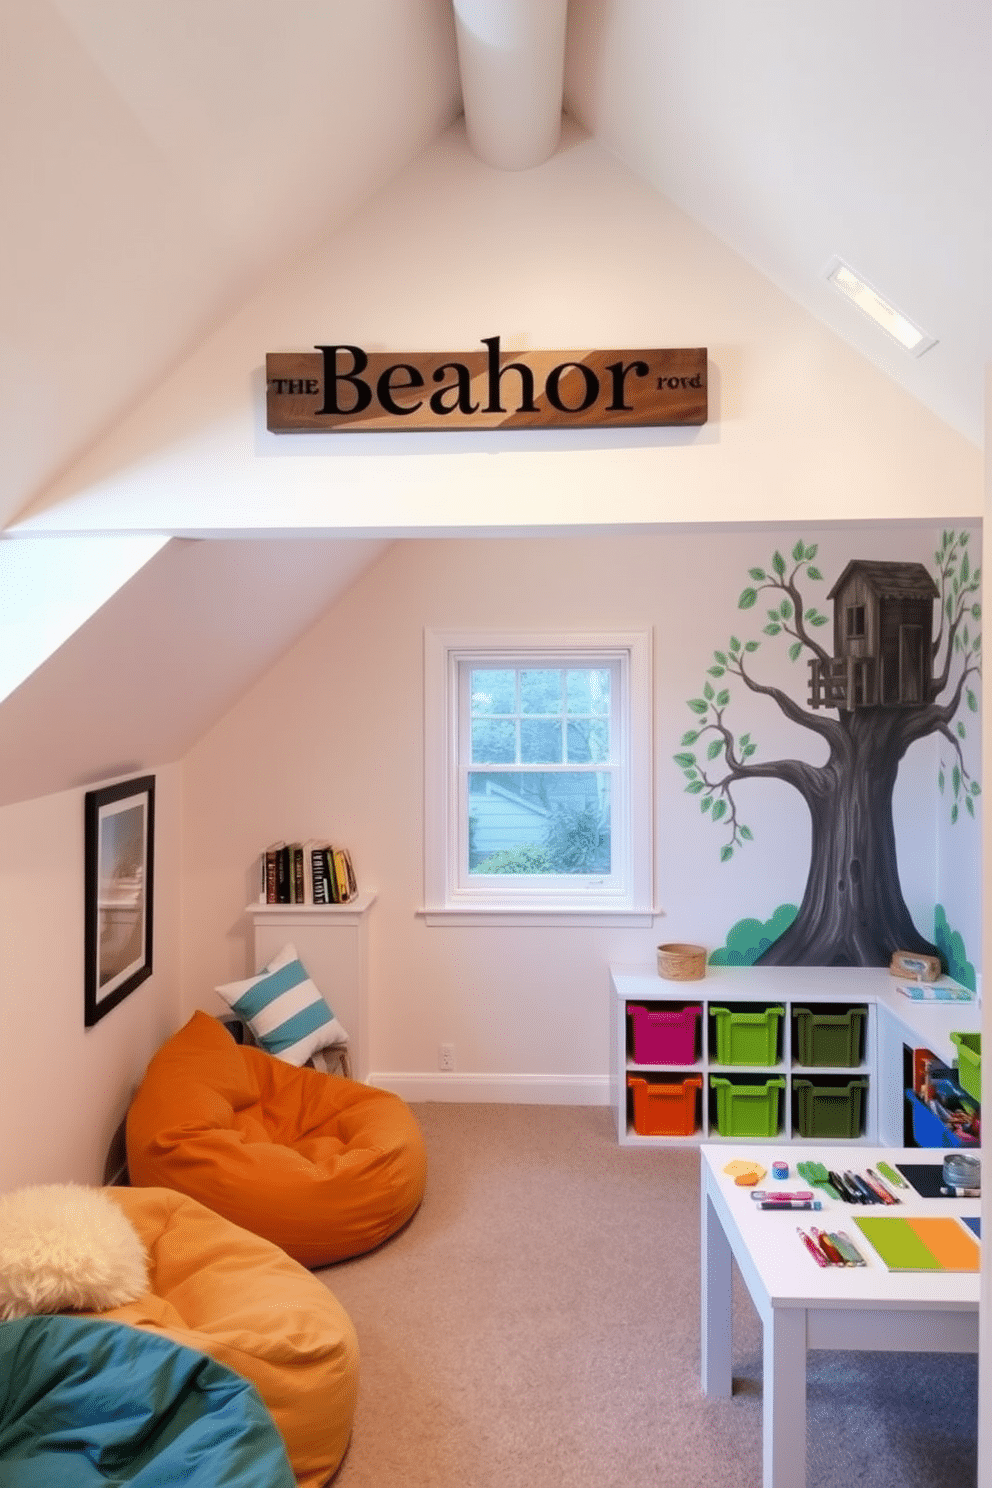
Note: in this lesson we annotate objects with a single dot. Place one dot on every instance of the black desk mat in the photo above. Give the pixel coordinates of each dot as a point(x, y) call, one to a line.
point(926, 1178)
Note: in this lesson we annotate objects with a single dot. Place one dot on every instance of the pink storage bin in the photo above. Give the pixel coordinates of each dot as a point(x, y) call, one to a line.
point(664, 1035)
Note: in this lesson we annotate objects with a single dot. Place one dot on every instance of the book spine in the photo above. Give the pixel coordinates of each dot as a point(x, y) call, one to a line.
point(298, 895)
point(341, 883)
point(270, 877)
point(283, 881)
point(321, 890)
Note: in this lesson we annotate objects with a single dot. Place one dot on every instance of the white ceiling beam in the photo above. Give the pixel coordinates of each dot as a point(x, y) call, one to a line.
point(511, 55)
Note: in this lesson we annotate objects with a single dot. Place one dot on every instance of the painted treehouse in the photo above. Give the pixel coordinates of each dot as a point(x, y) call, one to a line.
point(883, 633)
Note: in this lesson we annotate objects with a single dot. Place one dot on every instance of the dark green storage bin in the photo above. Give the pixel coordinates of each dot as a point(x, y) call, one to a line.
point(829, 1038)
point(830, 1110)
point(747, 1110)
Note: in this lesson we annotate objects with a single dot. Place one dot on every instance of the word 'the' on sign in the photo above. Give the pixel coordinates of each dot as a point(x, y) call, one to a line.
point(337, 388)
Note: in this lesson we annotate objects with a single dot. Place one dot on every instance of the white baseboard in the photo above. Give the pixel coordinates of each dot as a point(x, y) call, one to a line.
point(510, 1090)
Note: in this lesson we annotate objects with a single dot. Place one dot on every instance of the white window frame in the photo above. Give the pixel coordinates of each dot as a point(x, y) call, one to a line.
point(450, 896)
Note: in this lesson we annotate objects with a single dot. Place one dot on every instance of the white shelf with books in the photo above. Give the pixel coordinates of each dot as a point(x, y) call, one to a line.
point(314, 871)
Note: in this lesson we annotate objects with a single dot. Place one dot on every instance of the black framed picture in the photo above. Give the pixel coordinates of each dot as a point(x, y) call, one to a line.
point(120, 851)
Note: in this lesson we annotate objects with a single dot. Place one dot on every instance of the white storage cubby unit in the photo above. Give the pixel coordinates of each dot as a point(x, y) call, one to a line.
point(765, 1048)
point(761, 1075)
point(332, 942)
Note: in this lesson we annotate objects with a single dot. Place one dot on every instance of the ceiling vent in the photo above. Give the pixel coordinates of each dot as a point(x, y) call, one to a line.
point(857, 289)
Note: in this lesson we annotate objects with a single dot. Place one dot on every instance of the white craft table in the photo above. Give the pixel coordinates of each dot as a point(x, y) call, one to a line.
point(802, 1306)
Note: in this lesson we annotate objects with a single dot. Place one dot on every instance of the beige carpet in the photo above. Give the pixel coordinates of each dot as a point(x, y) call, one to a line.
point(537, 1326)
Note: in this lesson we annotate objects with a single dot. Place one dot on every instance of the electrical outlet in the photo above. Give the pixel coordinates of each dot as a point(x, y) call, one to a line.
point(446, 1057)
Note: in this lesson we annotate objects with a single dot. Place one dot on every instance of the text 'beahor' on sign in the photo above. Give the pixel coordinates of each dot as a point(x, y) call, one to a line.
point(342, 387)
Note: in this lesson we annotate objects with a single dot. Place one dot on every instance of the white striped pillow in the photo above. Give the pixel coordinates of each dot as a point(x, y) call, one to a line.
point(284, 1010)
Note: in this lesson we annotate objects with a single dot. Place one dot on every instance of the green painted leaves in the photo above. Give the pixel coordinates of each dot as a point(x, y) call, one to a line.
point(788, 616)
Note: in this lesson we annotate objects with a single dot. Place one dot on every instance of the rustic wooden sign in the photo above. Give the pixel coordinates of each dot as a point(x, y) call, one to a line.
point(338, 388)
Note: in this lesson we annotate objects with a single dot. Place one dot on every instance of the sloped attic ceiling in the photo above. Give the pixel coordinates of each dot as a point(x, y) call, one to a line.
point(154, 669)
point(162, 158)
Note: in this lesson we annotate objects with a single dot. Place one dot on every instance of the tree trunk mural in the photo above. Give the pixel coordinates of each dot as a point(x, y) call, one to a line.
point(892, 679)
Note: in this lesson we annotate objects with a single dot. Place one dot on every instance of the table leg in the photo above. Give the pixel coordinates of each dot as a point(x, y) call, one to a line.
point(717, 1301)
point(784, 1403)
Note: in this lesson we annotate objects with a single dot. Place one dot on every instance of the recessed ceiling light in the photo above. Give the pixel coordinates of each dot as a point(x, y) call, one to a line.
point(850, 284)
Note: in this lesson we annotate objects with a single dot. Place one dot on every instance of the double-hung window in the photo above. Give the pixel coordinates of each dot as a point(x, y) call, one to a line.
point(538, 775)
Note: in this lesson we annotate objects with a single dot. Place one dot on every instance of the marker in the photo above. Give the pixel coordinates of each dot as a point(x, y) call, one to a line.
point(841, 1187)
point(879, 1187)
point(850, 1252)
point(780, 1193)
point(790, 1204)
point(891, 1174)
point(829, 1249)
point(812, 1247)
point(860, 1187)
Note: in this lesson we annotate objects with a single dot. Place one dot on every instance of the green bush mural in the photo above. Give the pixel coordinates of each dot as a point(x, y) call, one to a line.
point(952, 951)
point(750, 939)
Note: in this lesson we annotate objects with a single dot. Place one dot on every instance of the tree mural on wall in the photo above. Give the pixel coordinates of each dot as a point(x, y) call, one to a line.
point(906, 653)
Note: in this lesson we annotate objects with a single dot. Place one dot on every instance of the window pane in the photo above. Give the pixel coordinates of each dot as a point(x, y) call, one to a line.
point(540, 741)
point(542, 822)
point(493, 691)
point(540, 691)
point(494, 742)
point(588, 741)
point(588, 690)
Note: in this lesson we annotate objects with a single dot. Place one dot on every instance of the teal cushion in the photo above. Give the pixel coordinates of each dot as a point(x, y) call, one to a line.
point(285, 1011)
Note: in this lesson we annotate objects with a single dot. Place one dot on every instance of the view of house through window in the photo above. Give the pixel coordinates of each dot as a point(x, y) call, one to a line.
point(539, 774)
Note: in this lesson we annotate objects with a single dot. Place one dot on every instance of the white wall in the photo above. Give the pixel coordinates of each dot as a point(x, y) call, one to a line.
point(65, 1088)
point(576, 253)
point(329, 743)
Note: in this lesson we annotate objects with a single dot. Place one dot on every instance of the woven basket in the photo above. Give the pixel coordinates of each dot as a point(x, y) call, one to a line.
point(681, 963)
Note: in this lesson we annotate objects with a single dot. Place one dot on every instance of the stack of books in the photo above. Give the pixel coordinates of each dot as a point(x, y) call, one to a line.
point(311, 872)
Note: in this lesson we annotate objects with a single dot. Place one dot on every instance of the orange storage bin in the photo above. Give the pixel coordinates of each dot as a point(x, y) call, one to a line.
point(665, 1108)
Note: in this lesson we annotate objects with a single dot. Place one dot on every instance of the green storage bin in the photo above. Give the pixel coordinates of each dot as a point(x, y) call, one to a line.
point(969, 1063)
point(824, 1038)
point(747, 1037)
point(747, 1110)
point(830, 1110)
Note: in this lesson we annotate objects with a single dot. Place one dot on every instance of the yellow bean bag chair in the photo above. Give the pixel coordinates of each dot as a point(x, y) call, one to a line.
point(217, 1288)
point(324, 1167)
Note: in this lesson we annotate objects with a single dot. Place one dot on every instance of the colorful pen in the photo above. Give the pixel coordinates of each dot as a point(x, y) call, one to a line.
point(812, 1247)
point(849, 1251)
point(829, 1249)
point(860, 1187)
point(880, 1188)
point(782, 1193)
point(844, 1189)
point(891, 1174)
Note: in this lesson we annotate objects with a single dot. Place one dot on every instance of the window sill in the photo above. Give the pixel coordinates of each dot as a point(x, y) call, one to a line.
point(541, 916)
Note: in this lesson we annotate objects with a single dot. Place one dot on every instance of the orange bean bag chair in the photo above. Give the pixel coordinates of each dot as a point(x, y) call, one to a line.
point(217, 1288)
point(324, 1167)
